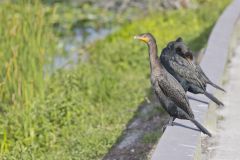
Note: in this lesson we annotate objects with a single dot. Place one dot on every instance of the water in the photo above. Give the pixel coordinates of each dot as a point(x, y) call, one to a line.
point(73, 48)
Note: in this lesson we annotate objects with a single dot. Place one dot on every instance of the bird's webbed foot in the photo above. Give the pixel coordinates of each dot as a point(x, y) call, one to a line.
point(171, 121)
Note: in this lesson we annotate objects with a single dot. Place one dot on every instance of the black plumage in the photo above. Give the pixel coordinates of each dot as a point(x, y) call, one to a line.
point(168, 90)
point(178, 60)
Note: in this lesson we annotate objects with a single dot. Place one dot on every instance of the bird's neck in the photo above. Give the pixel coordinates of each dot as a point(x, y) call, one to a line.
point(153, 56)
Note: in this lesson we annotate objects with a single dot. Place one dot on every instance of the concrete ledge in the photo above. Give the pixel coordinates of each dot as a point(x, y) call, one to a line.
point(182, 141)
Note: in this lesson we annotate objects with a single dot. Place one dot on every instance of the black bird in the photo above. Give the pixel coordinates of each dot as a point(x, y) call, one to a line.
point(187, 54)
point(168, 90)
point(178, 60)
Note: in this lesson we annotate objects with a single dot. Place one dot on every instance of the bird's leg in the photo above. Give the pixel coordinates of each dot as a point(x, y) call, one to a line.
point(171, 121)
point(164, 127)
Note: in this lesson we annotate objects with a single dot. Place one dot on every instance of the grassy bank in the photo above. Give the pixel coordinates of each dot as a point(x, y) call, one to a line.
point(26, 44)
point(84, 110)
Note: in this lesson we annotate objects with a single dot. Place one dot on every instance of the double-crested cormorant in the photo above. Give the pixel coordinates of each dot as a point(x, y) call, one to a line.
point(187, 54)
point(178, 61)
point(168, 90)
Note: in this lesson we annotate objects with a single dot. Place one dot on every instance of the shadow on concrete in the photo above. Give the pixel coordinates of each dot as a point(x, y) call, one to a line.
point(184, 126)
point(198, 100)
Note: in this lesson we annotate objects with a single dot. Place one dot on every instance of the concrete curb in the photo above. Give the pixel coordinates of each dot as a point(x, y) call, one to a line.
point(177, 142)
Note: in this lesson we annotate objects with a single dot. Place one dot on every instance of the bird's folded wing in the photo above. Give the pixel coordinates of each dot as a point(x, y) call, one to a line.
point(174, 91)
point(187, 71)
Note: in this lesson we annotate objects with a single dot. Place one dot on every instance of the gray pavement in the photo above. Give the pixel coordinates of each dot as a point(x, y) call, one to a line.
point(228, 132)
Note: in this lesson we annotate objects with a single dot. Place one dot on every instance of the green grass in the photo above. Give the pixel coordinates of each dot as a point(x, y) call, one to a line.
point(26, 44)
point(83, 111)
point(25, 40)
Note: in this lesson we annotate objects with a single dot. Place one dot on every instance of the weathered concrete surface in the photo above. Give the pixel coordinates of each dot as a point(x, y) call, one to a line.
point(228, 141)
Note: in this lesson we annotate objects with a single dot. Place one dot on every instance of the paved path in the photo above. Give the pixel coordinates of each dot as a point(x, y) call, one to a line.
point(228, 141)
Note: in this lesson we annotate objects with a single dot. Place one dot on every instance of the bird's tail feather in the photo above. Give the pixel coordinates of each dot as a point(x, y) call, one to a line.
point(201, 128)
point(216, 86)
point(214, 99)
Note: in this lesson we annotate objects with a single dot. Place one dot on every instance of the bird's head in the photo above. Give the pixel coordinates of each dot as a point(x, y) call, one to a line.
point(145, 37)
point(180, 48)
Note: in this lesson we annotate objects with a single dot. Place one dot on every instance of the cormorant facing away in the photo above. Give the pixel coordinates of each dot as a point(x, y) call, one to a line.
point(168, 90)
point(178, 61)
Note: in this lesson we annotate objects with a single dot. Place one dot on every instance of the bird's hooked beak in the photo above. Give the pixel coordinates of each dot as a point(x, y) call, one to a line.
point(142, 38)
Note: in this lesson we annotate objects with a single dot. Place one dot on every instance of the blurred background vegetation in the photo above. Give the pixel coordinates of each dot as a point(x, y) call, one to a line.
point(72, 76)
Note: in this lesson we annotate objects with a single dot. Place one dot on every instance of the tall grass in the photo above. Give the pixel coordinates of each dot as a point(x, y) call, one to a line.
point(26, 43)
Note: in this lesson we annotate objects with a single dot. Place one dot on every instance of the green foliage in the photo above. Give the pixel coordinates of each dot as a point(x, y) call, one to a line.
point(26, 44)
point(25, 40)
point(84, 110)
point(69, 17)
